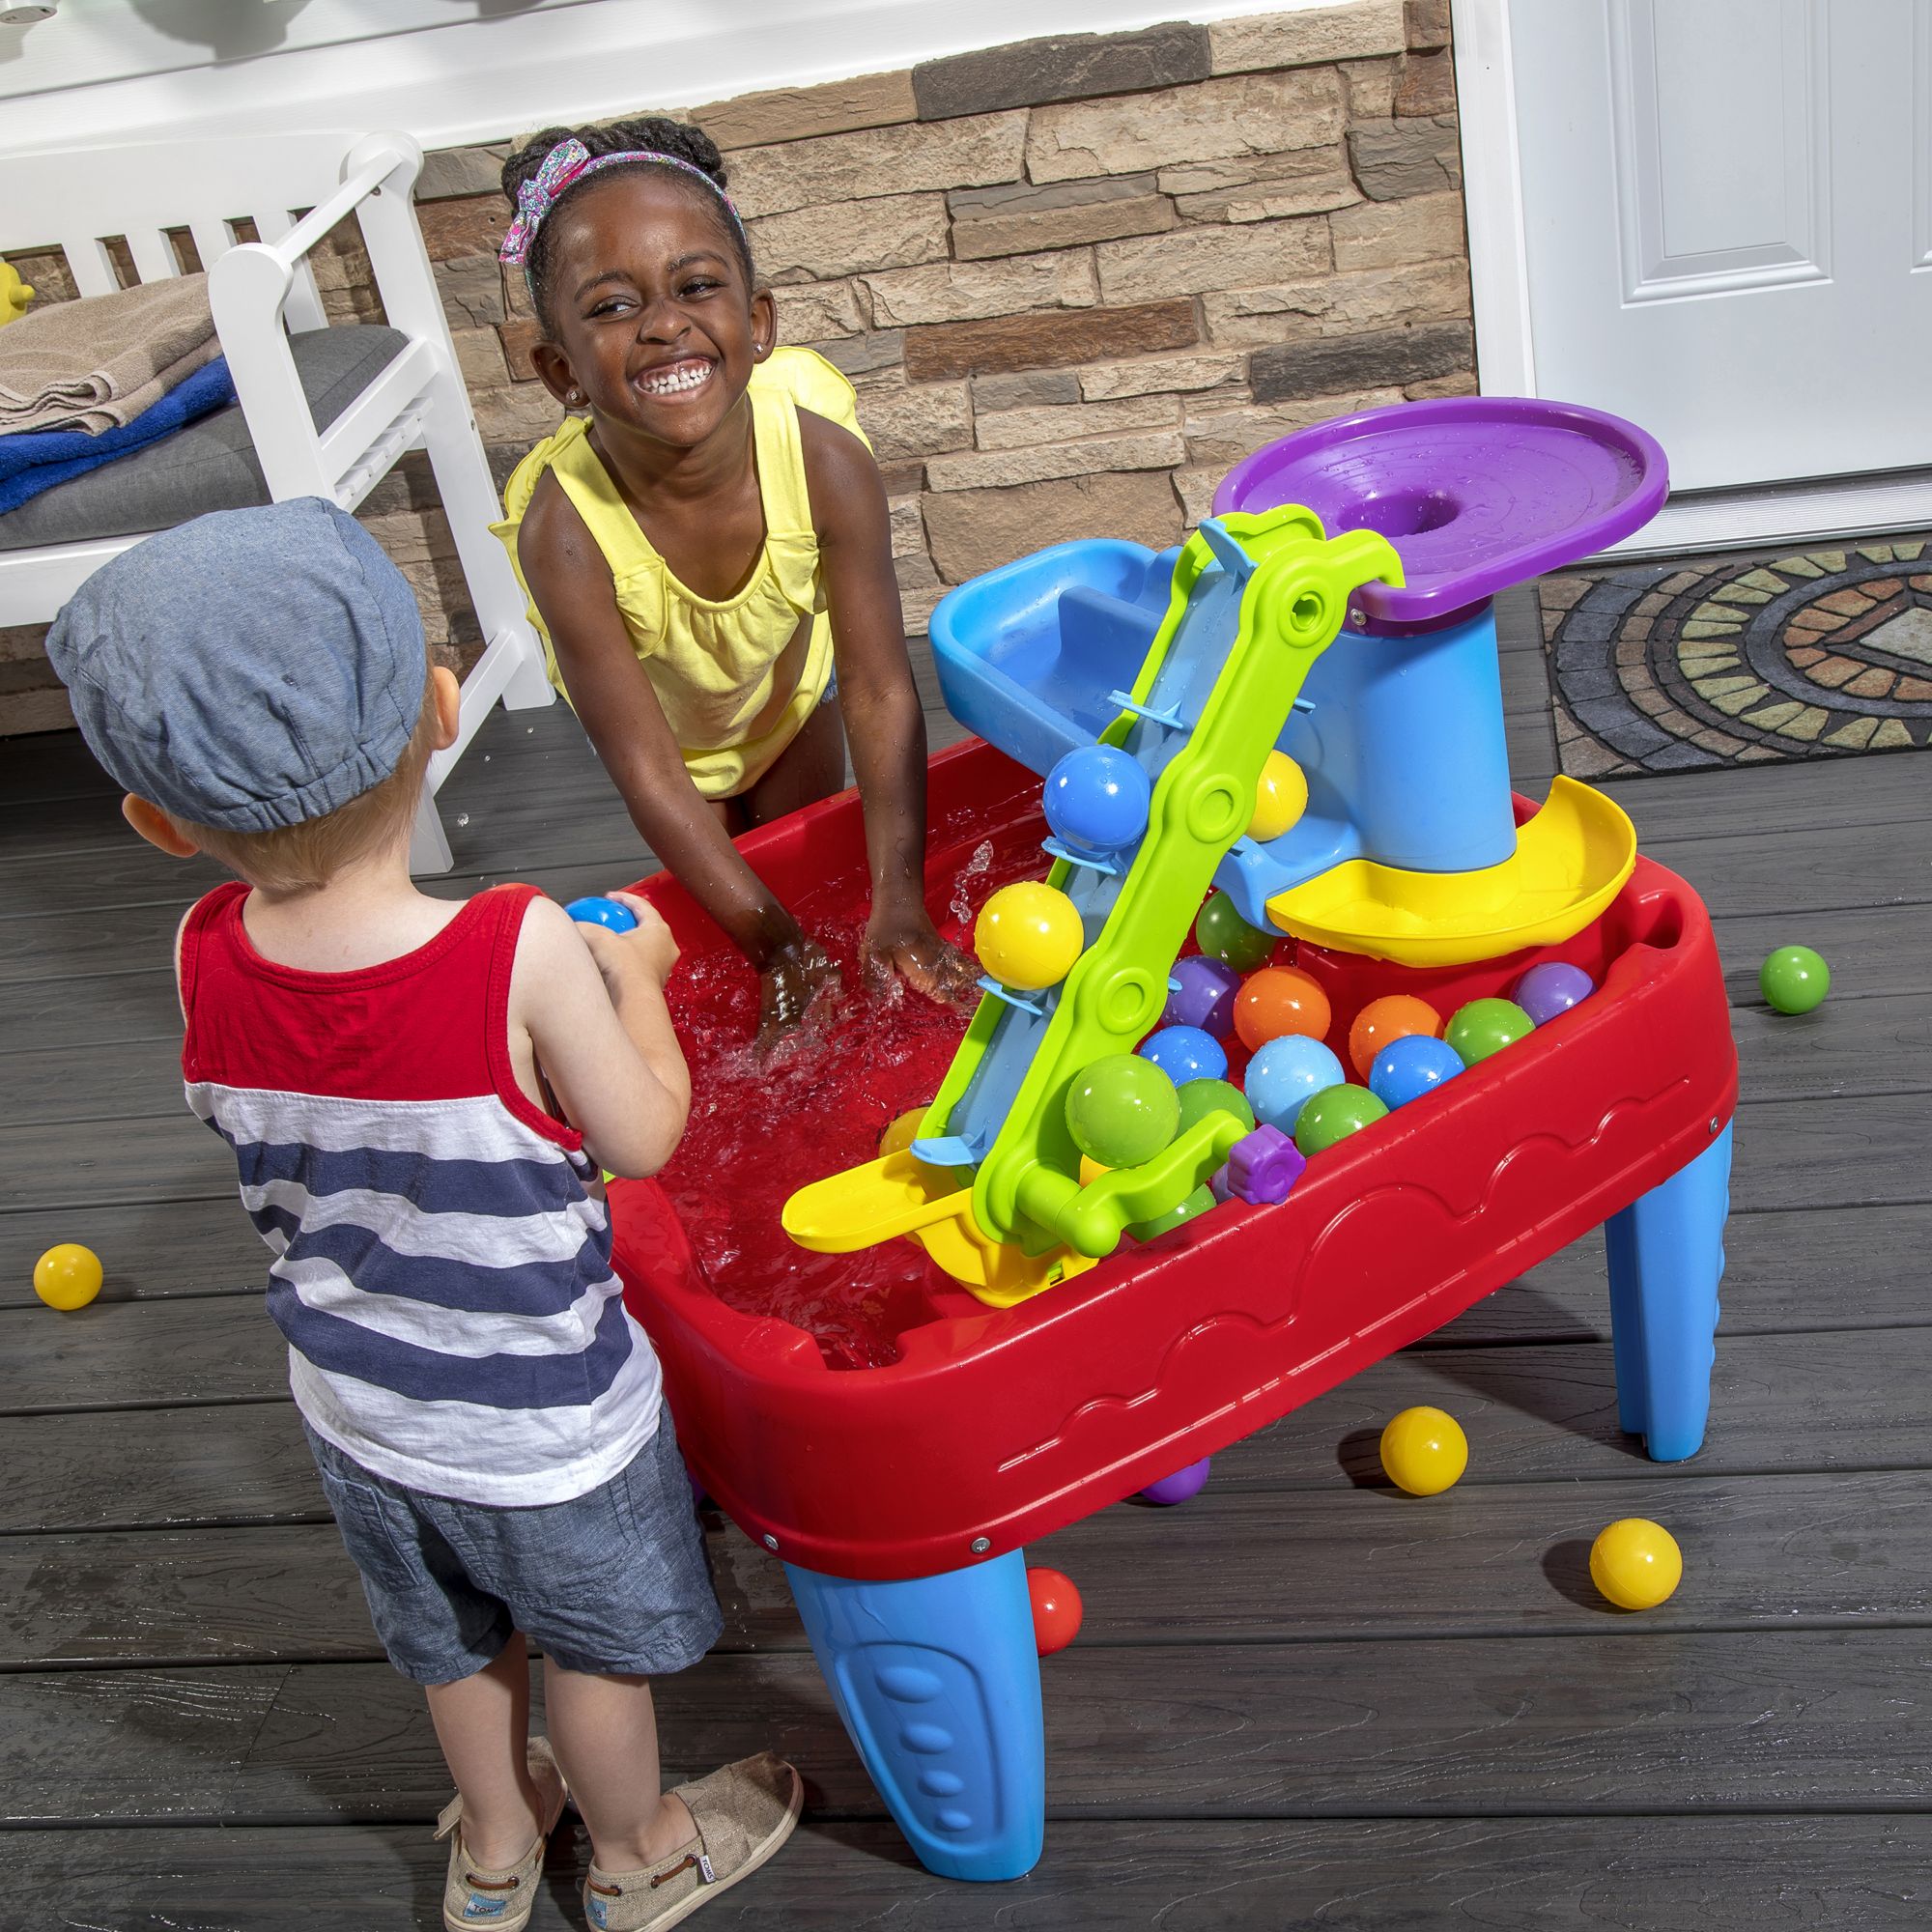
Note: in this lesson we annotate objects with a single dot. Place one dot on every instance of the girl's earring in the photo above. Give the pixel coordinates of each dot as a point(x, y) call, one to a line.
point(577, 399)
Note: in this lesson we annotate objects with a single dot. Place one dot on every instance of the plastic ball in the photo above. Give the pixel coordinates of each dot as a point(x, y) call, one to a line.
point(1179, 1486)
point(1794, 979)
point(1204, 995)
point(1394, 1017)
point(1406, 1069)
point(1186, 1053)
point(1201, 1098)
point(1484, 1027)
point(1285, 1074)
point(1333, 1115)
point(1635, 1563)
point(1191, 1209)
point(1552, 988)
point(1028, 935)
point(1222, 933)
point(1096, 798)
point(67, 1276)
point(1055, 1610)
point(1281, 797)
point(1279, 1000)
point(1091, 1170)
point(1424, 1451)
point(903, 1132)
point(1122, 1110)
point(598, 911)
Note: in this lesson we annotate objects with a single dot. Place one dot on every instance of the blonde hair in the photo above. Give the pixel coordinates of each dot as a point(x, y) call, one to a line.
point(299, 858)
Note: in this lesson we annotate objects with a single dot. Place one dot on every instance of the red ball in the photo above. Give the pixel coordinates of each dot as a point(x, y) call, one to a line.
point(1279, 1000)
point(1055, 1610)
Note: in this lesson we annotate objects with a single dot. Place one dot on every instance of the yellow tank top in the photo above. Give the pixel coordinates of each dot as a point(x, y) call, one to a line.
point(733, 677)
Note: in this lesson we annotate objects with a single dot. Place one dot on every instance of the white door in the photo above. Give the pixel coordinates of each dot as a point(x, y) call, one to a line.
point(1728, 226)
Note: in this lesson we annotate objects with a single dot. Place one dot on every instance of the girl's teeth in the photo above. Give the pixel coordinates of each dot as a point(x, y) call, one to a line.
point(687, 378)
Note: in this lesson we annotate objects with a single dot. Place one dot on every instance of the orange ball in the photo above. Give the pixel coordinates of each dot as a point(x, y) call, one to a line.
point(1394, 1017)
point(1279, 1000)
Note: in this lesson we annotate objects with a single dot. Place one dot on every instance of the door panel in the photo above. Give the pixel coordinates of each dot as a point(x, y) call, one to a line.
point(1727, 211)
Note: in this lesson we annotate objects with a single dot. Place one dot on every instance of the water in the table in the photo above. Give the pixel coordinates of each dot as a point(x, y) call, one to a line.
point(760, 1128)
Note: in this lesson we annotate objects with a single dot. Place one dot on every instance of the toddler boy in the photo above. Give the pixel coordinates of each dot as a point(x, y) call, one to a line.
point(420, 1094)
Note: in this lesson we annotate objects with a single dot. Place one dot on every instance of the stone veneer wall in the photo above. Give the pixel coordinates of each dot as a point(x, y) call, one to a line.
point(1073, 280)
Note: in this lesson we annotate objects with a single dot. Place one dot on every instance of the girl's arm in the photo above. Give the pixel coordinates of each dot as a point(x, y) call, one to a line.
point(883, 723)
point(572, 586)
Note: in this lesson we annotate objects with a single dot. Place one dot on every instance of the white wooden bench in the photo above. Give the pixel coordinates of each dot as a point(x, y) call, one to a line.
point(263, 294)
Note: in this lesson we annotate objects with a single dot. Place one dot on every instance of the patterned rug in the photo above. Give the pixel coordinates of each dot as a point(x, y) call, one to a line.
point(1731, 660)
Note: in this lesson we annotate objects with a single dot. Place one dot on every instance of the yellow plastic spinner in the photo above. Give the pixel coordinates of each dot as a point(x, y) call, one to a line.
point(898, 1195)
point(1570, 861)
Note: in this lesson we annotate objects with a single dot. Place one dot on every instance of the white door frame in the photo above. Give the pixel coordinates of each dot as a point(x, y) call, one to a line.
point(1506, 346)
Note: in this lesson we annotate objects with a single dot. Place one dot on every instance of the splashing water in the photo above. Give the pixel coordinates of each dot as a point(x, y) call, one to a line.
point(761, 1128)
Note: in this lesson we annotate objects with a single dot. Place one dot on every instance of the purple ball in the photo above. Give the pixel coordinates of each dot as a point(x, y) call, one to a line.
point(1552, 988)
point(1207, 995)
point(1178, 1486)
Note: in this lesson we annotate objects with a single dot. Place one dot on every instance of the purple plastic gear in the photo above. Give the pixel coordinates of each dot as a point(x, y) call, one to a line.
point(1263, 1166)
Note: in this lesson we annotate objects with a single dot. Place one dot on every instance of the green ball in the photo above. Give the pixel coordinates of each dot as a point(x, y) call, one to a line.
point(1484, 1027)
point(1794, 979)
point(1201, 1098)
point(1333, 1115)
point(1198, 1203)
point(1222, 933)
point(1122, 1110)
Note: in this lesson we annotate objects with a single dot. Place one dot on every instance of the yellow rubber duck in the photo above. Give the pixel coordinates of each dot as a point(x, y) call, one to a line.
point(15, 294)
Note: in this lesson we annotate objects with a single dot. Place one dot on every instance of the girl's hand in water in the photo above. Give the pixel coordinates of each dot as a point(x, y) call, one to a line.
point(905, 944)
point(790, 980)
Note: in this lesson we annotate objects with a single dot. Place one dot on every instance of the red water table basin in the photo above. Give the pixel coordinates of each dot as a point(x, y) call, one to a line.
point(864, 1416)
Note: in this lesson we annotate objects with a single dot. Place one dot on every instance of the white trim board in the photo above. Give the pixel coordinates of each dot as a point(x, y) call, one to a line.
point(481, 76)
point(1863, 506)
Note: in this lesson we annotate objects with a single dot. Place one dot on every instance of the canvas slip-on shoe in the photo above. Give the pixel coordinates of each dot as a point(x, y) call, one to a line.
point(500, 1900)
point(742, 1814)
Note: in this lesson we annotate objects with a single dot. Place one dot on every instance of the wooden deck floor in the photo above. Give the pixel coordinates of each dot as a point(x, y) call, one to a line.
point(1299, 1701)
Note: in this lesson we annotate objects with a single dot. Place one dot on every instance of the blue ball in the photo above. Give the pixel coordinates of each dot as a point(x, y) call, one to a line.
point(1286, 1072)
point(1186, 1053)
point(1406, 1069)
point(1098, 798)
point(602, 912)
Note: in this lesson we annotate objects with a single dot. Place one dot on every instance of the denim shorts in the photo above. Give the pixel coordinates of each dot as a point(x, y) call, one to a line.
point(611, 1583)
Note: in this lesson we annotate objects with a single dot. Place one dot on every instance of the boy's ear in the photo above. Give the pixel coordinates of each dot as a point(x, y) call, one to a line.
point(448, 705)
point(157, 827)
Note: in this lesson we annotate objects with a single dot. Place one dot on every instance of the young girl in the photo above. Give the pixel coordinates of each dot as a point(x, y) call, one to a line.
point(708, 544)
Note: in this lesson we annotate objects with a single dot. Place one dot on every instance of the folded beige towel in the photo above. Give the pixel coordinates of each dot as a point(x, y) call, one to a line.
point(99, 362)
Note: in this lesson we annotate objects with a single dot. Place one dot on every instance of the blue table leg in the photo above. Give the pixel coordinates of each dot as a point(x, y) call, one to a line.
point(937, 1680)
point(1666, 1252)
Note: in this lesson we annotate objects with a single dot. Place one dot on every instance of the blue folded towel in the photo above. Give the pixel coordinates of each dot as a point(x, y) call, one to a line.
point(36, 460)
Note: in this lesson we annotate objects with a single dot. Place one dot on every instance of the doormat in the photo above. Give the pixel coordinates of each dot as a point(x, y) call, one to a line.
point(1680, 664)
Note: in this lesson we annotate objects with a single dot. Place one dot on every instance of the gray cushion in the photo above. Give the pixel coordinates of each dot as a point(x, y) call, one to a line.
point(211, 464)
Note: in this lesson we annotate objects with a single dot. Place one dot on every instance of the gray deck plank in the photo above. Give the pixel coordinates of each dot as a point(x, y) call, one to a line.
point(1876, 1044)
point(148, 1250)
point(1795, 1153)
point(1484, 1727)
point(1742, 1873)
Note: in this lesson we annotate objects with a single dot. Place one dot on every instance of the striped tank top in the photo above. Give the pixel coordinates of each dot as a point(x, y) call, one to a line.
point(442, 1253)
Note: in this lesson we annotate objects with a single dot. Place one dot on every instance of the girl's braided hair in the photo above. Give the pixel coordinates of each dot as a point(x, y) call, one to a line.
point(648, 135)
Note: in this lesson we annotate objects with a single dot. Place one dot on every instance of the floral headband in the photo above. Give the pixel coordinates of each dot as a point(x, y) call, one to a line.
point(566, 164)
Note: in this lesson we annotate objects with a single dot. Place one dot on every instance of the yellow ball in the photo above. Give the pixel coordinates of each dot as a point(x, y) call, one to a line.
point(903, 1132)
point(1281, 797)
point(67, 1276)
point(1635, 1563)
point(1424, 1451)
point(1091, 1170)
point(1028, 936)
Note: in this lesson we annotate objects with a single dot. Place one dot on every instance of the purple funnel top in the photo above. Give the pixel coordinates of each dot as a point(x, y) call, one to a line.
point(1476, 493)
